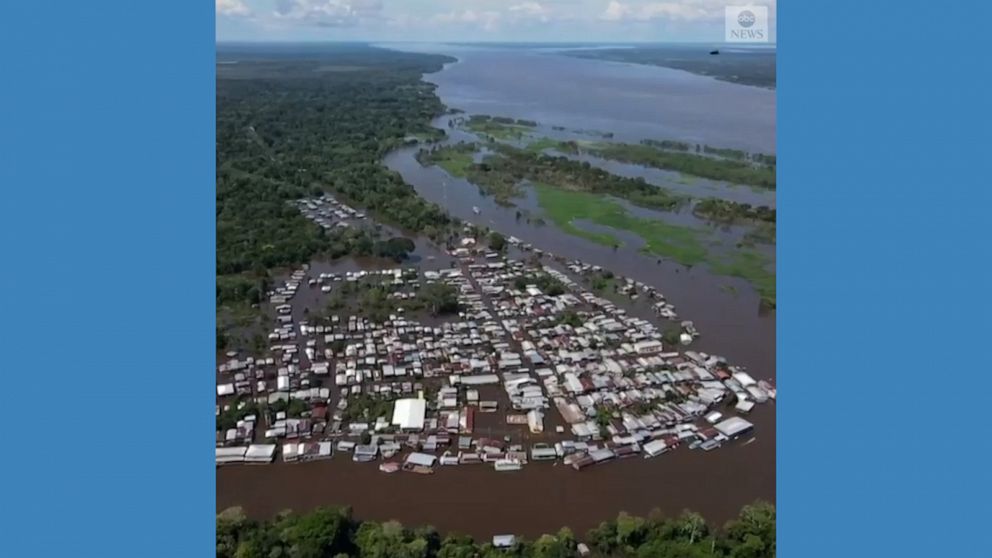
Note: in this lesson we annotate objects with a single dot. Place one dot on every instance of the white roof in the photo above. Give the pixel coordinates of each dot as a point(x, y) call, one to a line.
point(409, 413)
point(744, 405)
point(501, 541)
point(714, 416)
point(732, 426)
point(744, 378)
point(654, 447)
point(424, 459)
point(478, 380)
point(231, 452)
point(256, 451)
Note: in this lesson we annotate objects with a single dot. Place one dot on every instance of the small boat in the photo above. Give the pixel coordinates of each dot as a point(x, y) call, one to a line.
point(390, 467)
point(476, 210)
point(507, 464)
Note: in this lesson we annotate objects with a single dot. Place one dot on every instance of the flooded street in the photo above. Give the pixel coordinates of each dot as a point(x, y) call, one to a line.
point(634, 102)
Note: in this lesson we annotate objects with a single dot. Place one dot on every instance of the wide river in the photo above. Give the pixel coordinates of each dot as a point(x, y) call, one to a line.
point(633, 102)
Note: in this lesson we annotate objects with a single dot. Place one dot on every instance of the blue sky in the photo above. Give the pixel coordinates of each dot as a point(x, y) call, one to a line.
point(475, 20)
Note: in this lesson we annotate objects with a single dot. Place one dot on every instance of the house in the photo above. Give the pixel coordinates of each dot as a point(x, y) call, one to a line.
point(504, 541)
point(733, 427)
point(420, 459)
point(364, 453)
point(408, 414)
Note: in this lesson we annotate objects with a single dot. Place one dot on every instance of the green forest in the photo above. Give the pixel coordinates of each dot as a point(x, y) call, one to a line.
point(293, 125)
point(334, 533)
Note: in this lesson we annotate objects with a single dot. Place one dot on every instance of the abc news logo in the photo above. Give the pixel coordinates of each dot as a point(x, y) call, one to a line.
point(746, 24)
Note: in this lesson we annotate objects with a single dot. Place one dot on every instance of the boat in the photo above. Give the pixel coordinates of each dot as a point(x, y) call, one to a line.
point(476, 210)
point(507, 464)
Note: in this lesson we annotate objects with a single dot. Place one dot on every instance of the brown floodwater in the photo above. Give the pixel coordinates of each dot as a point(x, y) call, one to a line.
point(476, 500)
point(540, 498)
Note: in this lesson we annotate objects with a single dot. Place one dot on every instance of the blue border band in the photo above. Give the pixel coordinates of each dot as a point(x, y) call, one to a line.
point(107, 149)
point(883, 278)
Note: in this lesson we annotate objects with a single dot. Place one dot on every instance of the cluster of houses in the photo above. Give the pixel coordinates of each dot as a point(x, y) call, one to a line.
point(576, 378)
point(328, 212)
point(630, 288)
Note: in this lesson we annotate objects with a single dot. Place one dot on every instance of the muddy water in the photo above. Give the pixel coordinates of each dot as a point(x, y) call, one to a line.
point(476, 500)
point(654, 103)
point(726, 309)
point(540, 498)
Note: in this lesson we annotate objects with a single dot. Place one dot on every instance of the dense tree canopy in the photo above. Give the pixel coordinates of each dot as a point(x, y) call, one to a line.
point(296, 124)
point(329, 533)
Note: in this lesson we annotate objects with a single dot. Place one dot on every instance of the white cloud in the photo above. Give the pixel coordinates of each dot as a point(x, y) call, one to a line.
point(488, 20)
point(531, 10)
point(232, 8)
point(328, 13)
point(684, 10)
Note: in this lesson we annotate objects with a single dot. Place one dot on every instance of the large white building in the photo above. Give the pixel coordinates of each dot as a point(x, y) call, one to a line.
point(408, 414)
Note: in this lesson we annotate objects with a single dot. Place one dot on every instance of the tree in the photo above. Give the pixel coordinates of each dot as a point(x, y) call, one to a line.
point(691, 526)
point(457, 546)
point(440, 298)
point(497, 241)
point(630, 530)
point(317, 534)
point(754, 524)
point(397, 248)
point(603, 538)
point(560, 546)
point(333, 532)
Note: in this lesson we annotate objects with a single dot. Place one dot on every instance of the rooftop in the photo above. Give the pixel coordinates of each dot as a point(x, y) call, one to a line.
point(409, 414)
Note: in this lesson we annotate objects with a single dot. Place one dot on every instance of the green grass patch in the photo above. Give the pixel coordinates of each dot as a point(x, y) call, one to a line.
point(456, 164)
point(684, 245)
point(752, 267)
point(730, 170)
point(539, 145)
point(456, 160)
point(564, 207)
point(503, 131)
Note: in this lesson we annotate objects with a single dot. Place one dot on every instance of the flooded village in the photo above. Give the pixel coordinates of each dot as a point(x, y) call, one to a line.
point(475, 360)
point(505, 387)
